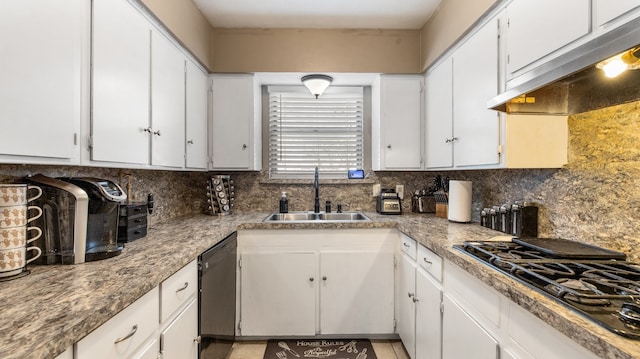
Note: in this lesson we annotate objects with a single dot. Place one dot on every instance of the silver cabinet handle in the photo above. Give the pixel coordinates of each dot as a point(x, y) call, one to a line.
point(244, 146)
point(406, 245)
point(190, 142)
point(411, 295)
point(133, 331)
point(186, 284)
point(415, 299)
point(148, 129)
point(156, 132)
point(197, 339)
point(428, 262)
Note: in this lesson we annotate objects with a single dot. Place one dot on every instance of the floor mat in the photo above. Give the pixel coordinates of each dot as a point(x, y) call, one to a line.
point(319, 348)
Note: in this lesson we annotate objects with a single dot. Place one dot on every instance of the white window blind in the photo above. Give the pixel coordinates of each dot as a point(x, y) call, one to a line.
point(305, 132)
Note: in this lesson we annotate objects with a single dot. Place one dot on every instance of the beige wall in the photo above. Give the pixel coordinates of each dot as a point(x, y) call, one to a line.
point(310, 50)
point(187, 23)
point(452, 19)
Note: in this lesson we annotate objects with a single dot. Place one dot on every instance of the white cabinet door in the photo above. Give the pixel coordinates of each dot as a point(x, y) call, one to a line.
point(121, 75)
point(234, 116)
point(475, 81)
point(463, 337)
point(533, 28)
point(167, 102)
point(40, 77)
point(606, 11)
point(121, 335)
point(439, 116)
point(179, 339)
point(400, 122)
point(278, 293)
point(428, 317)
point(196, 117)
point(353, 283)
point(406, 304)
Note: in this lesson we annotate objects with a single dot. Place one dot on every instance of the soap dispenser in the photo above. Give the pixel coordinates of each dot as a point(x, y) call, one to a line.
point(284, 203)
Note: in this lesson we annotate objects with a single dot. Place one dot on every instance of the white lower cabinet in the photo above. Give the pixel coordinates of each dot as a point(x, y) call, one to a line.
point(419, 301)
point(179, 339)
point(121, 335)
point(139, 332)
point(278, 295)
point(308, 282)
point(463, 337)
point(479, 322)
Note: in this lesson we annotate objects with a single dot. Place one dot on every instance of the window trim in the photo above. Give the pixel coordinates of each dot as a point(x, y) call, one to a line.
point(366, 118)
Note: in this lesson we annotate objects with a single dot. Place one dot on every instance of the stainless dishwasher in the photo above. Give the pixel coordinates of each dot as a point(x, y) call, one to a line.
point(217, 298)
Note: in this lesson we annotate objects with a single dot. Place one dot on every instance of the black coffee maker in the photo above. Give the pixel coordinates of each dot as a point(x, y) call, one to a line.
point(105, 198)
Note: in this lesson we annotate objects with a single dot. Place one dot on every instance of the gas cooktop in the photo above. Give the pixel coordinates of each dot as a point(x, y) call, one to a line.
point(605, 290)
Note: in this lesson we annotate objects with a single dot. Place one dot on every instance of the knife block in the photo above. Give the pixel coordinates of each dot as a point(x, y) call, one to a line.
point(442, 210)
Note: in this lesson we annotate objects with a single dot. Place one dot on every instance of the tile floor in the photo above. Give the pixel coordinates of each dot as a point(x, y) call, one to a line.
point(384, 349)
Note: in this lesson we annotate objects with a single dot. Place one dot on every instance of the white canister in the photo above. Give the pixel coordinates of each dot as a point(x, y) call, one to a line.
point(460, 201)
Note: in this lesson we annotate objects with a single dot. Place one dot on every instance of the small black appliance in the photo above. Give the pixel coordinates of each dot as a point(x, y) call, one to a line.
point(105, 198)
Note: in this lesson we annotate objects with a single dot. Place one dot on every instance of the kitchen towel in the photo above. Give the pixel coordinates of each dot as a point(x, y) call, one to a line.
point(319, 348)
point(460, 201)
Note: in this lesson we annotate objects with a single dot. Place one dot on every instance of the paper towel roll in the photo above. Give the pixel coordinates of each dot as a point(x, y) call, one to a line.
point(460, 201)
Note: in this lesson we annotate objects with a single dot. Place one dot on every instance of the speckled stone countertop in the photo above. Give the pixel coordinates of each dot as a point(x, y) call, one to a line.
point(53, 307)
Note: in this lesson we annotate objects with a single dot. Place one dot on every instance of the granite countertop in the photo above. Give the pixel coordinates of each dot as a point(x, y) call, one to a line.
point(55, 306)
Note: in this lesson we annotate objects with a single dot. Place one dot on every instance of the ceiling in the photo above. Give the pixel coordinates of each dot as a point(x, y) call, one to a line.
point(325, 14)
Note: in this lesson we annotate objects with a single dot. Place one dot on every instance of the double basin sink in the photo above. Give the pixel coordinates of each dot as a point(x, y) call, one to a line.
point(317, 217)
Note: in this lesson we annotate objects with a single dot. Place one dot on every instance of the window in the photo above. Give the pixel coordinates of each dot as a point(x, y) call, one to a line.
point(305, 132)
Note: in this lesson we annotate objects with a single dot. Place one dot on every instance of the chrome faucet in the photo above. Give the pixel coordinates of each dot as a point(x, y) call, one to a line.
point(316, 186)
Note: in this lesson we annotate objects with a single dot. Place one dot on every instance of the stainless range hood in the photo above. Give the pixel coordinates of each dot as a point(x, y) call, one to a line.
point(571, 83)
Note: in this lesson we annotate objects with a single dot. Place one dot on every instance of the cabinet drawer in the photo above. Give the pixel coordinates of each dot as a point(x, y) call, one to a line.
point(408, 246)
point(430, 262)
point(121, 335)
point(175, 290)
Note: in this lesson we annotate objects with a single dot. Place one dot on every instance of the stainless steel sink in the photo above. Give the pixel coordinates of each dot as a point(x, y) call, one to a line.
point(319, 217)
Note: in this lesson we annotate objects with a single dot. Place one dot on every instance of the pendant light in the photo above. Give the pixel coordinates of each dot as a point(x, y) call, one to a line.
point(317, 84)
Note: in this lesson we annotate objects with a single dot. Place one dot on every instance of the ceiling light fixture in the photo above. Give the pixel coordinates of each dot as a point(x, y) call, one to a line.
point(317, 84)
point(614, 66)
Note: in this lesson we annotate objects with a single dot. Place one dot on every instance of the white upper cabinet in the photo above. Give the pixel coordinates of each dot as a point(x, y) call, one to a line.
point(439, 116)
point(537, 28)
point(397, 123)
point(121, 83)
point(167, 103)
point(460, 130)
point(196, 117)
point(606, 11)
point(236, 123)
point(43, 49)
point(476, 129)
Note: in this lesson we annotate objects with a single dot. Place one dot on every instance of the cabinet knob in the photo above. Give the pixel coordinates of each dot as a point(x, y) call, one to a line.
point(197, 339)
point(324, 278)
point(190, 142)
point(244, 146)
point(156, 132)
point(415, 299)
point(389, 146)
point(133, 331)
point(148, 129)
point(310, 279)
point(411, 295)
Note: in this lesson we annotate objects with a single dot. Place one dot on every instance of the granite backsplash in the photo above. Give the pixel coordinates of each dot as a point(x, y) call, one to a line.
point(595, 198)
